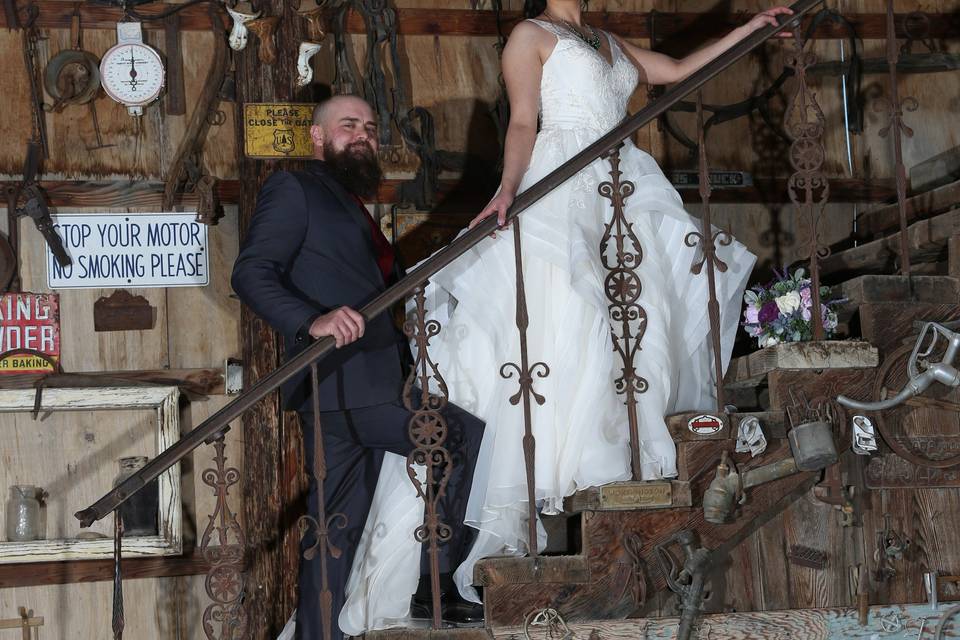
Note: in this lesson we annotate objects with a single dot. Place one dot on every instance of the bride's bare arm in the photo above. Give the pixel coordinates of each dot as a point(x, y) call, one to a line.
point(658, 68)
point(522, 62)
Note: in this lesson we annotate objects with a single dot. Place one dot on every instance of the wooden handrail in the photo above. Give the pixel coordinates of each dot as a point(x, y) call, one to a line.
point(211, 428)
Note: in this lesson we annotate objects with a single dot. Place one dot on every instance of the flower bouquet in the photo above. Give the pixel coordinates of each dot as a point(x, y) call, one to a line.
point(780, 311)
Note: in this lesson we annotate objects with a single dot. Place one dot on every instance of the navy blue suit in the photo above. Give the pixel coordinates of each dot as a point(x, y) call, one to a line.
point(309, 250)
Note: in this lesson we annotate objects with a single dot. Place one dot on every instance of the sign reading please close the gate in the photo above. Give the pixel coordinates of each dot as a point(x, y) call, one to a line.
point(130, 250)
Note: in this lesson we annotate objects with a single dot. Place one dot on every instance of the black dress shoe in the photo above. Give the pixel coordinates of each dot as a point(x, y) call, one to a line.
point(453, 610)
point(461, 613)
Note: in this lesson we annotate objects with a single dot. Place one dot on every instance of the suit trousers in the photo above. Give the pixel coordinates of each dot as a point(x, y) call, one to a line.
point(354, 443)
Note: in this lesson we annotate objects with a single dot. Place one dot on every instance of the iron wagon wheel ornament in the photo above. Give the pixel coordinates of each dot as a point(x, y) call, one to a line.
point(893, 375)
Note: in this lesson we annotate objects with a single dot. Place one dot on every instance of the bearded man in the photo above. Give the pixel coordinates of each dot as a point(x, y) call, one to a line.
point(311, 257)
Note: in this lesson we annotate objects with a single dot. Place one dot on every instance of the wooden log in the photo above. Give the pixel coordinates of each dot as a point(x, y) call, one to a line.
point(697, 26)
point(272, 470)
point(49, 573)
point(751, 369)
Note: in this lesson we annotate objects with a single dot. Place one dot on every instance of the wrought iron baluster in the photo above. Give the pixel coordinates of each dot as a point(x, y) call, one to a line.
point(707, 241)
point(525, 372)
point(118, 619)
point(621, 254)
point(225, 618)
point(428, 431)
point(808, 187)
point(322, 524)
point(895, 126)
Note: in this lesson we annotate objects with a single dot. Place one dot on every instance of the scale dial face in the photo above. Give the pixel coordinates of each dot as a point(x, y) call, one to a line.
point(132, 74)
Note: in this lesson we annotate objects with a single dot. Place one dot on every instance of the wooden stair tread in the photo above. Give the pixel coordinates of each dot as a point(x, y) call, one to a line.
point(752, 369)
point(524, 570)
point(927, 242)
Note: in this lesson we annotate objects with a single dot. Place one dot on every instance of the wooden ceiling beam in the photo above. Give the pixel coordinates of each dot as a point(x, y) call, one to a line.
point(56, 14)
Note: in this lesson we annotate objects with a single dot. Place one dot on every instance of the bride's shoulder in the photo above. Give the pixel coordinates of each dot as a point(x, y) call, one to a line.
point(533, 30)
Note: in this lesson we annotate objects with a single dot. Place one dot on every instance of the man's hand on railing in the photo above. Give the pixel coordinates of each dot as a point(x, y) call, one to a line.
point(769, 18)
point(498, 205)
point(344, 325)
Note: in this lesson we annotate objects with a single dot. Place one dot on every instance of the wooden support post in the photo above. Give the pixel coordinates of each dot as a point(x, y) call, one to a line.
point(272, 456)
point(953, 256)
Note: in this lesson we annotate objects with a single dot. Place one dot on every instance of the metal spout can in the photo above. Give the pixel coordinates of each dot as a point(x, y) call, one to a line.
point(812, 445)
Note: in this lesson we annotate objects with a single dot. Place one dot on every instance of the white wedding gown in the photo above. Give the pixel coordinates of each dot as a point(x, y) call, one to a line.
point(581, 430)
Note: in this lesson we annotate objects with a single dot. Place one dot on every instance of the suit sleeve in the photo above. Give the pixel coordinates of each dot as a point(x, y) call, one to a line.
point(276, 231)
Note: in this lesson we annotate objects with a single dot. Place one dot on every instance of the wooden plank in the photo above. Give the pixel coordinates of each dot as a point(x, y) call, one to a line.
point(428, 634)
point(790, 624)
point(927, 242)
point(461, 22)
point(539, 570)
point(886, 218)
point(49, 573)
point(195, 381)
point(941, 169)
point(893, 288)
point(203, 323)
point(751, 369)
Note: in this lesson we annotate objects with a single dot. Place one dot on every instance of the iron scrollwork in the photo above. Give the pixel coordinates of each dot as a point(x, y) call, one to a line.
point(621, 254)
point(428, 431)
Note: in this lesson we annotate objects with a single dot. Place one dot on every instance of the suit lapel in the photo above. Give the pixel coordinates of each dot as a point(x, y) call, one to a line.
point(349, 204)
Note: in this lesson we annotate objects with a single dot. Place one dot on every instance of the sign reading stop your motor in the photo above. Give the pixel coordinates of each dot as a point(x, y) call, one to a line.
point(130, 250)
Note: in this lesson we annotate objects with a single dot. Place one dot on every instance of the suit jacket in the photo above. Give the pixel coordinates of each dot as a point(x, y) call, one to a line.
point(308, 251)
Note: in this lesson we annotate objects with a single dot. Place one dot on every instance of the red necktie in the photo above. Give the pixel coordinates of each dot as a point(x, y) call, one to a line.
point(385, 253)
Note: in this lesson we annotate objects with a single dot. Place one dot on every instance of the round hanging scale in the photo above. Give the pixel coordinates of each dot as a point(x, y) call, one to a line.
point(131, 72)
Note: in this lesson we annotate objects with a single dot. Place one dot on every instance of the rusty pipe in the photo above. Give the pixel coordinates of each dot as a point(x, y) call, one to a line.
point(727, 487)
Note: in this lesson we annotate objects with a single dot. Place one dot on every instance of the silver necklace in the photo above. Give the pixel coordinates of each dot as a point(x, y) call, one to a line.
point(592, 41)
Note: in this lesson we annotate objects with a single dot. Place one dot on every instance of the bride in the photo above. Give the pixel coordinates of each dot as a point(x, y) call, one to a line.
point(575, 81)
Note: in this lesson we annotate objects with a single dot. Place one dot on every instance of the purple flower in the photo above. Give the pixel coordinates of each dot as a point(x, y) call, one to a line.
point(768, 312)
point(751, 314)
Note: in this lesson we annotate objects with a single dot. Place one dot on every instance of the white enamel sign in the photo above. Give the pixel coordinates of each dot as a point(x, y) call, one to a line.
point(130, 250)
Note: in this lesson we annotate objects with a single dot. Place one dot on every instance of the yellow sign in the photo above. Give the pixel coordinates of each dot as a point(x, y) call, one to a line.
point(26, 362)
point(277, 130)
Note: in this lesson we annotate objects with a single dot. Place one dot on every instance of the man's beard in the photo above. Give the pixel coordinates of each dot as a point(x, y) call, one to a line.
point(356, 167)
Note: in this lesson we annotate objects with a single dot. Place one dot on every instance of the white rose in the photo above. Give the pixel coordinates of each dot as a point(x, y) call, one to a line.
point(788, 302)
point(768, 341)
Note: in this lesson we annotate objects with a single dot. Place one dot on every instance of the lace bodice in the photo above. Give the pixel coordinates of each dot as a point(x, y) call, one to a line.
point(579, 89)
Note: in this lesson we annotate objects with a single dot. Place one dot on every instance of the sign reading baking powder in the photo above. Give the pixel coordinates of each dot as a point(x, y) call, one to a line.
point(29, 332)
point(130, 250)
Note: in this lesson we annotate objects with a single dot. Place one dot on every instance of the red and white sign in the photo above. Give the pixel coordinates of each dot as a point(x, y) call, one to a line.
point(29, 332)
point(705, 425)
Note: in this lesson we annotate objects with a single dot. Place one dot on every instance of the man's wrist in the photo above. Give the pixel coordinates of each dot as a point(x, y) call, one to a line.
point(303, 333)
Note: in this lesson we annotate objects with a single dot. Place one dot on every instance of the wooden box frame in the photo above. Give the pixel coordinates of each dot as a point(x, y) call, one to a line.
point(165, 401)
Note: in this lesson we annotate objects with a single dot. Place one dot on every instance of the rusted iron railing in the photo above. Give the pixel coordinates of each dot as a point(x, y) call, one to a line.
point(426, 428)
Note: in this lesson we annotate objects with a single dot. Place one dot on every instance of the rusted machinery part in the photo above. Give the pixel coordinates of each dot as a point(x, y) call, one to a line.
point(899, 357)
point(62, 68)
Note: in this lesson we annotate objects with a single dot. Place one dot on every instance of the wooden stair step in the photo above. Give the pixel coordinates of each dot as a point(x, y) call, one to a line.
point(753, 369)
point(539, 570)
point(926, 241)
